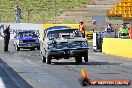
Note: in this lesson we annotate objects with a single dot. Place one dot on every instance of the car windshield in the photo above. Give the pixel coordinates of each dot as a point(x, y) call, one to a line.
point(70, 33)
point(26, 34)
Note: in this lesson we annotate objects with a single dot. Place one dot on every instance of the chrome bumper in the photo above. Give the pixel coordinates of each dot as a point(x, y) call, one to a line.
point(28, 45)
point(70, 53)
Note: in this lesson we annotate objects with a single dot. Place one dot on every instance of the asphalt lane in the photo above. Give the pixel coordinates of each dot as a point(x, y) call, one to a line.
point(27, 69)
point(5, 81)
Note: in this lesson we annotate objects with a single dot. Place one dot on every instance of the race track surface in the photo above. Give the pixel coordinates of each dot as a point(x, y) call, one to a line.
point(26, 70)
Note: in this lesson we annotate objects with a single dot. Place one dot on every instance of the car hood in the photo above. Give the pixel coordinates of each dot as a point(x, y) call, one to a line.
point(71, 40)
point(63, 40)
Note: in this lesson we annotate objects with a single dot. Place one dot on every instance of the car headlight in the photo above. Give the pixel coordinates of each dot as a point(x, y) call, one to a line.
point(51, 46)
point(84, 43)
point(36, 40)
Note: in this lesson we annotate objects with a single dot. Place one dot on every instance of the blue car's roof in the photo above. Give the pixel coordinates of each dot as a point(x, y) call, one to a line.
point(25, 31)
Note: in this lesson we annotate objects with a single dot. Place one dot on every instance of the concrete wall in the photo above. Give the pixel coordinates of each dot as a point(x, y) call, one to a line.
point(17, 27)
point(118, 47)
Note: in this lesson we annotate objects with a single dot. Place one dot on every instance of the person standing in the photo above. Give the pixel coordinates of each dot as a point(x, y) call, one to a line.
point(82, 29)
point(6, 38)
point(123, 31)
point(109, 28)
point(94, 26)
point(18, 14)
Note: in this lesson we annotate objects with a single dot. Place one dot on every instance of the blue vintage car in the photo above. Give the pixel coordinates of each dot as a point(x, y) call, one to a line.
point(26, 40)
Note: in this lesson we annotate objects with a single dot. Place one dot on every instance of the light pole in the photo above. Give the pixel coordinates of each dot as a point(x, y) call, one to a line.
point(0, 11)
point(28, 10)
point(55, 10)
point(0, 15)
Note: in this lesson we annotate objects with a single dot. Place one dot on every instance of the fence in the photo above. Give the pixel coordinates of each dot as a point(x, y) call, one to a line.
point(43, 15)
point(30, 16)
point(62, 16)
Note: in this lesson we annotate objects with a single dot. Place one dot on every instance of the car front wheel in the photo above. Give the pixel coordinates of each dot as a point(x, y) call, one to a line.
point(78, 59)
point(48, 59)
point(43, 59)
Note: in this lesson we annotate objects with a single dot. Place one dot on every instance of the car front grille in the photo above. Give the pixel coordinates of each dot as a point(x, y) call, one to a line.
point(69, 45)
point(28, 41)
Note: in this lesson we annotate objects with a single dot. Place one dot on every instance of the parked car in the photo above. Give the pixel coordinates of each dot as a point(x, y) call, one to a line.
point(26, 40)
point(63, 43)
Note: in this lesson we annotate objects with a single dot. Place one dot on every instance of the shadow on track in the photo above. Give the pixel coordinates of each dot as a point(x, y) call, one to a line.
point(14, 76)
point(83, 63)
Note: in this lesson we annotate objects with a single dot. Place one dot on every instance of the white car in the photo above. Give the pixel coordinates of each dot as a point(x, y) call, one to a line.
point(64, 43)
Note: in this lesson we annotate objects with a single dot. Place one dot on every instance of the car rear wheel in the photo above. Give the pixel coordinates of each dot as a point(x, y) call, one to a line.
point(86, 57)
point(78, 59)
point(43, 59)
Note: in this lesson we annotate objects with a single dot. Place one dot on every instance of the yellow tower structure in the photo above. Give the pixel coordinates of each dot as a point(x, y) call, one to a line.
point(122, 9)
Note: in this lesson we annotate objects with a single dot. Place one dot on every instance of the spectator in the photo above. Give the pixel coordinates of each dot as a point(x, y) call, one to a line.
point(94, 22)
point(109, 28)
point(123, 31)
point(6, 38)
point(94, 26)
point(82, 29)
point(18, 14)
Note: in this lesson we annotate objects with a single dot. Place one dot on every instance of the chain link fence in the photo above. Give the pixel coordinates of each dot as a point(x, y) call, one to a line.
point(52, 16)
point(44, 15)
point(30, 16)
